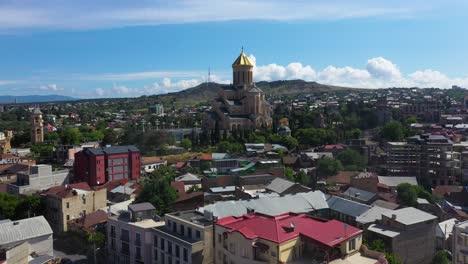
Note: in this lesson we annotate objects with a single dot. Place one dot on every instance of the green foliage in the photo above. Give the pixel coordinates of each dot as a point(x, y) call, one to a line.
point(328, 167)
point(14, 207)
point(110, 137)
point(379, 246)
point(441, 257)
point(315, 136)
point(288, 141)
point(97, 238)
point(71, 136)
point(355, 133)
point(229, 147)
point(42, 150)
point(186, 143)
point(158, 191)
point(406, 194)
point(289, 173)
point(411, 120)
point(194, 188)
point(393, 130)
point(352, 160)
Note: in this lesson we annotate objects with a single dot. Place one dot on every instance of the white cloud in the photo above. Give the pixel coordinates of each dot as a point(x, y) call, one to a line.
point(50, 87)
point(382, 68)
point(90, 14)
point(6, 82)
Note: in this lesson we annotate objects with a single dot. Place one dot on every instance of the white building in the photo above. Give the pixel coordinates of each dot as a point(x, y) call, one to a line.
point(40, 177)
point(460, 243)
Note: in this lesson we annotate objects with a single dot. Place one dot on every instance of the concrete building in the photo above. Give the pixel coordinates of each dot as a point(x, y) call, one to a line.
point(157, 109)
point(37, 127)
point(130, 234)
point(19, 239)
point(38, 178)
point(97, 166)
point(430, 158)
point(69, 202)
point(190, 181)
point(259, 238)
point(408, 232)
point(241, 105)
point(186, 237)
point(150, 164)
point(460, 243)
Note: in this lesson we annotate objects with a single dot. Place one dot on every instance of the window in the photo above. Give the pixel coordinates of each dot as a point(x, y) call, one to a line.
point(174, 227)
point(244, 252)
point(112, 231)
point(113, 243)
point(169, 247)
point(124, 235)
point(163, 258)
point(197, 234)
point(232, 248)
point(138, 253)
point(185, 254)
point(68, 217)
point(352, 244)
point(169, 259)
point(125, 249)
point(220, 239)
point(182, 230)
point(155, 241)
point(68, 205)
point(137, 239)
point(155, 252)
point(177, 251)
point(273, 253)
point(162, 243)
point(189, 232)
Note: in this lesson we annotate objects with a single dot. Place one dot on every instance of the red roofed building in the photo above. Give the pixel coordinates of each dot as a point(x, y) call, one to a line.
point(283, 239)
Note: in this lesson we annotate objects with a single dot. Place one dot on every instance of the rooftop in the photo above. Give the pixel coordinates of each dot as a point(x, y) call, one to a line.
point(112, 150)
point(410, 216)
point(346, 206)
point(383, 230)
point(285, 227)
point(193, 217)
point(16, 231)
point(359, 194)
point(279, 185)
point(393, 181)
point(242, 60)
point(141, 207)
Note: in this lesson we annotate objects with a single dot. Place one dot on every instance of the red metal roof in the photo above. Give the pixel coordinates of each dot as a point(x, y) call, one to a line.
point(278, 228)
point(206, 156)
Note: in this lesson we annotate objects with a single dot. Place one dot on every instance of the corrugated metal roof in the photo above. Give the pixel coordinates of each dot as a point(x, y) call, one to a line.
point(373, 214)
point(296, 203)
point(24, 229)
point(410, 215)
point(279, 185)
point(141, 207)
point(359, 194)
point(347, 207)
point(188, 177)
point(392, 181)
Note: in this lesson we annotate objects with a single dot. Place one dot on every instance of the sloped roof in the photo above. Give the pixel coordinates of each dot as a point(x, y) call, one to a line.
point(410, 215)
point(285, 227)
point(298, 203)
point(346, 206)
point(359, 194)
point(141, 207)
point(373, 214)
point(242, 60)
point(187, 177)
point(444, 229)
point(17, 231)
point(385, 204)
point(279, 185)
point(393, 181)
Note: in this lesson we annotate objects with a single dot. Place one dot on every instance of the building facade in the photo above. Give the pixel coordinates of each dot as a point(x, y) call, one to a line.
point(460, 243)
point(97, 166)
point(186, 238)
point(258, 238)
point(38, 177)
point(37, 127)
point(241, 105)
point(129, 235)
point(69, 202)
point(430, 158)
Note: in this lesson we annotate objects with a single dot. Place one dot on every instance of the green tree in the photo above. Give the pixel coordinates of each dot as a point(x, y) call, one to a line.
point(289, 173)
point(411, 120)
point(8, 205)
point(352, 160)
point(110, 137)
point(406, 194)
point(186, 143)
point(71, 136)
point(29, 206)
point(289, 142)
point(158, 191)
point(355, 133)
point(393, 130)
point(315, 136)
point(441, 257)
point(328, 167)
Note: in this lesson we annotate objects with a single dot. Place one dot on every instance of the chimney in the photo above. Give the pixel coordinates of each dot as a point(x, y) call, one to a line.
point(394, 216)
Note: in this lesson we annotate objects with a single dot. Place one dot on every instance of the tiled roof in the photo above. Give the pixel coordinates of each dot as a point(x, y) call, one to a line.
point(68, 190)
point(285, 227)
point(150, 160)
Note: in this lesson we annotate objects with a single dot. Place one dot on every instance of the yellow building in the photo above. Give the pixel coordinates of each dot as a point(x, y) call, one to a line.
point(65, 203)
point(241, 105)
point(258, 238)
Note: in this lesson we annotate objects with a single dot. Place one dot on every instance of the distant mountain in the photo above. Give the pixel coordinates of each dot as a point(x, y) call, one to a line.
point(35, 98)
point(208, 91)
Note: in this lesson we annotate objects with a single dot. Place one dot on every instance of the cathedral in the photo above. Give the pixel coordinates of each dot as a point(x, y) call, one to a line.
point(241, 105)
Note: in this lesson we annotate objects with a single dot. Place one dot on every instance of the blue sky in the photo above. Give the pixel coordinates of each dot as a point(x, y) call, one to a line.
point(122, 48)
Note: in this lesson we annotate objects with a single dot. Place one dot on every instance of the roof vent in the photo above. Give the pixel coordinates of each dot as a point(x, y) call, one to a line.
point(394, 216)
point(357, 194)
point(292, 225)
point(16, 223)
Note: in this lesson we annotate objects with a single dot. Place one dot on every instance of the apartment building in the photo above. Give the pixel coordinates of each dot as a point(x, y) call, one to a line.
point(72, 201)
point(259, 238)
point(408, 232)
point(430, 158)
point(460, 243)
point(38, 178)
point(129, 234)
point(186, 238)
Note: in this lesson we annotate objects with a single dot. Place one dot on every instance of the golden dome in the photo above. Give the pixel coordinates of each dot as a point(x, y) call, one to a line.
point(242, 60)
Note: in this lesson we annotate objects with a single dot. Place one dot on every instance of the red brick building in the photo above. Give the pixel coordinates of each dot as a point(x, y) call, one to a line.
point(97, 166)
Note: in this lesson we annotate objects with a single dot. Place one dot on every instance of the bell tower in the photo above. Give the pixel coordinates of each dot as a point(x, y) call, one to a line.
point(242, 70)
point(37, 127)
